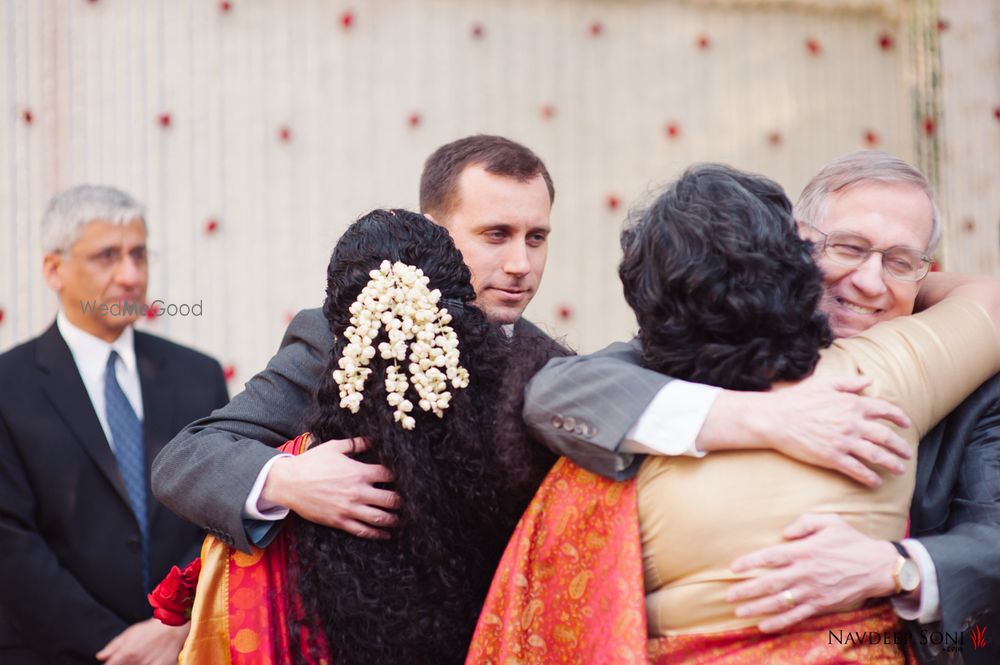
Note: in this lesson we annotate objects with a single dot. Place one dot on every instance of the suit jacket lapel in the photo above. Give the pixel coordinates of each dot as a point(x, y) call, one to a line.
point(928, 509)
point(158, 402)
point(62, 385)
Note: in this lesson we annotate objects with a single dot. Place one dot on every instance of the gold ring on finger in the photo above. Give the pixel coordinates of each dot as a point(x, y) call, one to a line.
point(789, 598)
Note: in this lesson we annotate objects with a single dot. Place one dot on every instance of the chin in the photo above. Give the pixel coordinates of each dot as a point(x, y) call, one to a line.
point(500, 314)
point(118, 324)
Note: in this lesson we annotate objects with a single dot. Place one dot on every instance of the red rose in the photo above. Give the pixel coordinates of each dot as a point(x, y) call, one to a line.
point(173, 597)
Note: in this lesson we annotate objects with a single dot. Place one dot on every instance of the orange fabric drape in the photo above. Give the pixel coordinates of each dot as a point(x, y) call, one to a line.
point(569, 585)
point(241, 605)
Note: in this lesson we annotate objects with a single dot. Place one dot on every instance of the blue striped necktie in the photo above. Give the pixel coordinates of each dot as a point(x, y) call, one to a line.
point(126, 430)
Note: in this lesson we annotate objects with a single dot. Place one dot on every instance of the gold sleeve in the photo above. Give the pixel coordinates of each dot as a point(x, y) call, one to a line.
point(926, 363)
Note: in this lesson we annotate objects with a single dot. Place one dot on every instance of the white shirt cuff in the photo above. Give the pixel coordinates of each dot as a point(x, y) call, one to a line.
point(256, 508)
point(928, 608)
point(671, 422)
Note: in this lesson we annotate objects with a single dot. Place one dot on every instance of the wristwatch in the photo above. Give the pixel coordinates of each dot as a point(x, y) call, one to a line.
point(906, 575)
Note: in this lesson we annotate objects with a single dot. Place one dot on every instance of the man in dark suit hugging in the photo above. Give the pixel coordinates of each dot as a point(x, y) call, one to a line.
point(84, 409)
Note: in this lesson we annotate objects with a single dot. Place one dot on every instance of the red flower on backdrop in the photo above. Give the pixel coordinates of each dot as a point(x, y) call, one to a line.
point(703, 42)
point(173, 598)
point(673, 130)
point(347, 20)
point(165, 120)
point(813, 46)
point(886, 42)
point(996, 113)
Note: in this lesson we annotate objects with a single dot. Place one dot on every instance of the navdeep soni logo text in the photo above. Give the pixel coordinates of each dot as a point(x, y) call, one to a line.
point(947, 641)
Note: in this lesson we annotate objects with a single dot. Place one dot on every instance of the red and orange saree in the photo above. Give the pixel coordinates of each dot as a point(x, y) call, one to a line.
point(241, 613)
point(569, 589)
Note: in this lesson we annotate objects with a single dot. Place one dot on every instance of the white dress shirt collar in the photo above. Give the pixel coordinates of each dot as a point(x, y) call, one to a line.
point(91, 353)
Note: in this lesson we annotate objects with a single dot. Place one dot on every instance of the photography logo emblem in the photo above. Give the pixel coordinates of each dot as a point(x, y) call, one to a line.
point(978, 635)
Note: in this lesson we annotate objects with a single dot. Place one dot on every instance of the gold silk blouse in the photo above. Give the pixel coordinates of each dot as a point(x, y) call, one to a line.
point(697, 515)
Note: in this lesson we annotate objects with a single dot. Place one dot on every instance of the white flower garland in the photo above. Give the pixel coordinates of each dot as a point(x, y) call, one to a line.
point(397, 297)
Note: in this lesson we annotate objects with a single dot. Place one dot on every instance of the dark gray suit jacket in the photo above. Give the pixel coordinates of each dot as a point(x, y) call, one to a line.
point(956, 505)
point(207, 471)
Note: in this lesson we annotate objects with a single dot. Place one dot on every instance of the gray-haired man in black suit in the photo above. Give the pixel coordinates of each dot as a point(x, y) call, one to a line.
point(84, 408)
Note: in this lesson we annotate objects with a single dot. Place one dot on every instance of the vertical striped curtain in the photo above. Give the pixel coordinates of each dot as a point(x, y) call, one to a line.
point(256, 130)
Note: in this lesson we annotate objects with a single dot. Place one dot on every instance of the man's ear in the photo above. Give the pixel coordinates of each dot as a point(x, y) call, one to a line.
point(803, 229)
point(51, 264)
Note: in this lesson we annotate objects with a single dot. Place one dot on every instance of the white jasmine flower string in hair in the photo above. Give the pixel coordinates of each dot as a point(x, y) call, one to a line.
point(398, 298)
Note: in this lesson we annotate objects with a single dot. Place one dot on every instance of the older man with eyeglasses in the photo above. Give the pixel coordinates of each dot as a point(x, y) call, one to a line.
point(875, 225)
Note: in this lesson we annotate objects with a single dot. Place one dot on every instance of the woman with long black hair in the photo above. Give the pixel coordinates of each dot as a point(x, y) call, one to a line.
point(436, 390)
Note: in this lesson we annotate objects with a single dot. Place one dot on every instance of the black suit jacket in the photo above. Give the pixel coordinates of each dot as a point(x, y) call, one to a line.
point(956, 515)
point(70, 571)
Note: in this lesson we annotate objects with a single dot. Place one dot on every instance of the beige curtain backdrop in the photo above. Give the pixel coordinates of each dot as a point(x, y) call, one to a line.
point(256, 130)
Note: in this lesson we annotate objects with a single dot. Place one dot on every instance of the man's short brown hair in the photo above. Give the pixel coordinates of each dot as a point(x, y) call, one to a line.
point(495, 154)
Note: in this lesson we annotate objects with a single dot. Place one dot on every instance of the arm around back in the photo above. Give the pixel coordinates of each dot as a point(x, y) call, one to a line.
point(583, 406)
point(206, 472)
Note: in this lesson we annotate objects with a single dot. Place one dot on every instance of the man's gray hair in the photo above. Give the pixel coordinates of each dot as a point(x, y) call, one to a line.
point(69, 211)
point(863, 166)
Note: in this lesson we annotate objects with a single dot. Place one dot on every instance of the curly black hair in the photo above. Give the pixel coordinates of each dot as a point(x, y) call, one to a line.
point(464, 479)
point(724, 289)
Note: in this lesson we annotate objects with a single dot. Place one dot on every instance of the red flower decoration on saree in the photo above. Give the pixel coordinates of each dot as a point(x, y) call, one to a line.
point(173, 598)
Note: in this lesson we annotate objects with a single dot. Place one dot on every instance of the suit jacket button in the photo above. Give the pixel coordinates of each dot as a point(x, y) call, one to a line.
point(569, 423)
point(557, 421)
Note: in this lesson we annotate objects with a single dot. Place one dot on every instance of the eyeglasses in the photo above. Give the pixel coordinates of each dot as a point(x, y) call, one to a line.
point(109, 258)
point(851, 250)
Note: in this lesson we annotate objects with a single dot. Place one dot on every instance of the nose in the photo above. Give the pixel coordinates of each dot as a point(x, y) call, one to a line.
point(516, 259)
point(129, 272)
point(868, 277)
